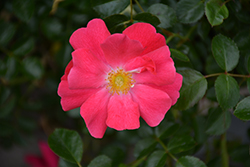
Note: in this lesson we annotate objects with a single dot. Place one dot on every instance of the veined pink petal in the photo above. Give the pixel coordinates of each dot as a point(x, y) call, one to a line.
point(165, 70)
point(173, 89)
point(91, 37)
point(87, 71)
point(146, 34)
point(141, 64)
point(153, 103)
point(123, 113)
point(118, 49)
point(50, 158)
point(94, 113)
point(73, 98)
point(67, 70)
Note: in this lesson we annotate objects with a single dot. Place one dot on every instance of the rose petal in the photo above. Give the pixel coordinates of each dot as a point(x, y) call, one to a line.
point(146, 34)
point(173, 89)
point(67, 70)
point(73, 98)
point(118, 49)
point(91, 37)
point(87, 71)
point(140, 64)
point(165, 70)
point(35, 161)
point(153, 103)
point(94, 113)
point(50, 158)
point(123, 113)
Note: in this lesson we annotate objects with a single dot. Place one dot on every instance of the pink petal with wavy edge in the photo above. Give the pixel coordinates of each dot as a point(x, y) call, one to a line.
point(73, 98)
point(50, 158)
point(140, 64)
point(94, 113)
point(146, 34)
point(165, 70)
point(67, 70)
point(91, 37)
point(123, 113)
point(153, 103)
point(87, 71)
point(118, 49)
point(173, 89)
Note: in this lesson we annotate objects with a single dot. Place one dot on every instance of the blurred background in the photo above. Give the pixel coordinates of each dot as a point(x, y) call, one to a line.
point(34, 51)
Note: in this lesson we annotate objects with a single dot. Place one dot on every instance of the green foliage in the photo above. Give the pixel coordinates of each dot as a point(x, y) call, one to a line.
point(227, 91)
point(189, 161)
point(109, 7)
point(216, 11)
point(209, 43)
point(179, 55)
point(180, 143)
point(193, 88)
point(242, 110)
point(225, 52)
point(165, 14)
point(189, 11)
point(100, 161)
point(156, 159)
point(218, 122)
point(66, 144)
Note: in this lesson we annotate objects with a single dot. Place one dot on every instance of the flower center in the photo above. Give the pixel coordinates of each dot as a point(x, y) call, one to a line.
point(119, 81)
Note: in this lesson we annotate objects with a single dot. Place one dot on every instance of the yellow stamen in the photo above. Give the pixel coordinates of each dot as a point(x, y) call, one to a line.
point(119, 81)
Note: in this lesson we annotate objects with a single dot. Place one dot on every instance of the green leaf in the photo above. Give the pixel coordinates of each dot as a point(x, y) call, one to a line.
point(100, 161)
point(227, 91)
point(189, 161)
point(193, 88)
point(166, 129)
point(67, 144)
point(180, 144)
point(165, 14)
point(218, 122)
point(23, 46)
point(115, 22)
point(216, 11)
point(156, 159)
point(189, 11)
point(63, 163)
point(109, 7)
point(148, 18)
point(33, 67)
point(242, 110)
point(144, 147)
point(225, 52)
point(179, 55)
point(7, 31)
point(23, 9)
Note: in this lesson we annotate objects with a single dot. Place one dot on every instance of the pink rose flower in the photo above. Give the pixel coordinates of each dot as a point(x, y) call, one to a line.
point(48, 159)
point(116, 79)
